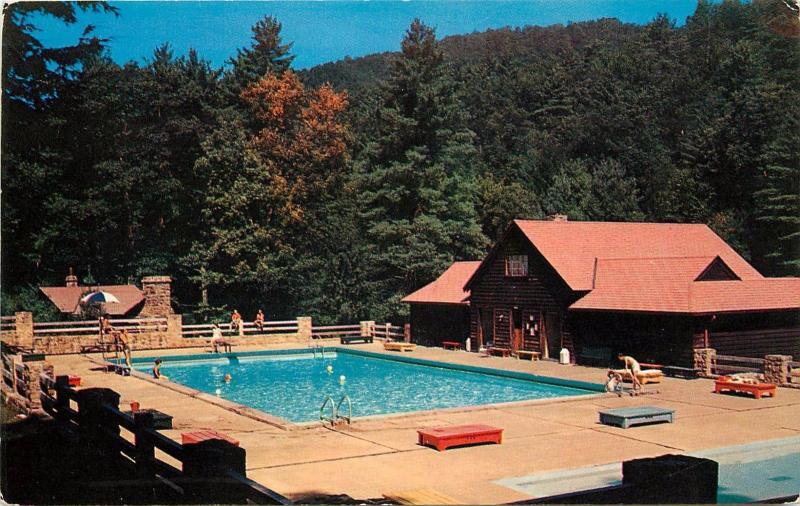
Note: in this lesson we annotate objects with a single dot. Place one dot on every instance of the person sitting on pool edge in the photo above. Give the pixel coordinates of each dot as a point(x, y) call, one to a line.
point(157, 370)
point(260, 320)
point(633, 368)
point(236, 320)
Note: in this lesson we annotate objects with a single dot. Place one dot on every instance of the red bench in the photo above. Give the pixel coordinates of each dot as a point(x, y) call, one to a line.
point(74, 381)
point(189, 438)
point(456, 435)
point(757, 389)
point(454, 345)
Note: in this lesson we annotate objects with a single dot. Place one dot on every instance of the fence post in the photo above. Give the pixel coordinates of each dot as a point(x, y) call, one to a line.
point(407, 332)
point(367, 328)
point(23, 335)
point(304, 327)
point(205, 466)
point(776, 369)
point(62, 398)
point(704, 359)
point(145, 448)
point(92, 417)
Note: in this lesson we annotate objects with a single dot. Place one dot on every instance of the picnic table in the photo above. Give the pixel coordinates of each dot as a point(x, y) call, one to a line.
point(453, 345)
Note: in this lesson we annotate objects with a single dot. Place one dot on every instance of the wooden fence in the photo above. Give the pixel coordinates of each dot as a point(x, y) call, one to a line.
point(388, 331)
point(14, 373)
point(729, 364)
point(208, 472)
point(8, 326)
point(90, 327)
point(205, 330)
point(328, 331)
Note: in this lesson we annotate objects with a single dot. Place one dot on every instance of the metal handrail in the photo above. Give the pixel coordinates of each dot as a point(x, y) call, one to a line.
point(349, 416)
point(322, 417)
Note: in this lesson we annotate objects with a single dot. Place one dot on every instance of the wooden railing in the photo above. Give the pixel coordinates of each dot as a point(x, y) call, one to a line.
point(8, 326)
point(318, 331)
point(388, 331)
point(14, 372)
point(208, 472)
point(87, 327)
point(729, 364)
point(249, 328)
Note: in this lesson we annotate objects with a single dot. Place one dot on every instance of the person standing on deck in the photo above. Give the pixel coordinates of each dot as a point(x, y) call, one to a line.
point(260, 320)
point(632, 367)
point(124, 342)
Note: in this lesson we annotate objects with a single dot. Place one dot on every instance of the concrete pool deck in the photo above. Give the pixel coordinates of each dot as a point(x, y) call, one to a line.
point(375, 456)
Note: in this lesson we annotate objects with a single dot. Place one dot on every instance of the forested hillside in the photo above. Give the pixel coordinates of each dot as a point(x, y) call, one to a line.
point(335, 191)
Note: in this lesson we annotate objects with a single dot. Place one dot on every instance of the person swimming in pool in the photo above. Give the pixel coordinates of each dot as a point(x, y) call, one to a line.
point(227, 378)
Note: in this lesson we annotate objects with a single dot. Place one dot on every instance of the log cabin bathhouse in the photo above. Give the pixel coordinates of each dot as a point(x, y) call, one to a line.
point(653, 290)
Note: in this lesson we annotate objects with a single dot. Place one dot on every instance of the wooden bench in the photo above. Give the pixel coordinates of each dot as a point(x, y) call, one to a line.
point(757, 389)
point(398, 346)
point(533, 355)
point(442, 438)
point(351, 339)
point(451, 345)
point(627, 417)
point(188, 438)
point(503, 352)
point(421, 496)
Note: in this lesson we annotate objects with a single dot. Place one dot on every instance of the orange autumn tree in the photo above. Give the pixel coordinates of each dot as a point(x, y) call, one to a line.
point(299, 137)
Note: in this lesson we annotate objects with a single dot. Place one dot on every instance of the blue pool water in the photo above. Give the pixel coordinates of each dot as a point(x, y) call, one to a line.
point(293, 386)
point(747, 473)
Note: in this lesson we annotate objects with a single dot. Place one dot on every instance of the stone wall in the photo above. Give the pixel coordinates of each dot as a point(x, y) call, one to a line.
point(703, 361)
point(157, 293)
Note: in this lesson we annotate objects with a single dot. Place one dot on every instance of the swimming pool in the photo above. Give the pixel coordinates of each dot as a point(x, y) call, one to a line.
point(292, 384)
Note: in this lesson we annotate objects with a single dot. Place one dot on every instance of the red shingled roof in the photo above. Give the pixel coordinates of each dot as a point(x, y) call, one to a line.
point(571, 247)
point(750, 295)
point(667, 285)
point(447, 288)
point(66, 298)
point(643, 284)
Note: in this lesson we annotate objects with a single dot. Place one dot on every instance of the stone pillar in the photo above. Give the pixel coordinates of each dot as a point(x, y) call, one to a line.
point(157, 293)
point(776, 369)
point(174, 327)
point(704, 359)
point(304, 327)
point(407, 332)
point(34, 372)
point(367, 328)
point(24, 329)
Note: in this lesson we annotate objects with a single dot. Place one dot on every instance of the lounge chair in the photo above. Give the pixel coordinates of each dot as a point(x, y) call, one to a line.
point(645, 376)
point(398, 346)
point(746, 385)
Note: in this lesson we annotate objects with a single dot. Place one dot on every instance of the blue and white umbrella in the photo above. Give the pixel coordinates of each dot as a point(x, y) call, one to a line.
point(98, 297)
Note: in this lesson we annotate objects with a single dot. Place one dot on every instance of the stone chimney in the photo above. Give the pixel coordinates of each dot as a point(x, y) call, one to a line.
point(558, 217)
point(72, 279)
point(157, 292)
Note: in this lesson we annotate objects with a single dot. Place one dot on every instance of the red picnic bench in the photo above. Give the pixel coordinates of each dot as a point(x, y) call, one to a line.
point(503, 352)
point(453, 345)
point(757, 389)
point(456, 435)
point(189, 438)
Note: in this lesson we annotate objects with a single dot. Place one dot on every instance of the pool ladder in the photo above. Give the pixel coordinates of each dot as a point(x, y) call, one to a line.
point(321, 349)
point(335, 410)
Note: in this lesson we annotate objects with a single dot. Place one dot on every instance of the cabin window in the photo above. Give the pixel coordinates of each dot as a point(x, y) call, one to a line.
point(517, 266)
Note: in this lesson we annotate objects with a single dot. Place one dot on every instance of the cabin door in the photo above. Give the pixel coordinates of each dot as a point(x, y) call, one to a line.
point(485, 327)
point(516, 329)
point(552, 337)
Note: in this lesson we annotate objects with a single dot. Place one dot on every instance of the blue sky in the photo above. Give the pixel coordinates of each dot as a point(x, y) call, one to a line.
point(325, 31)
